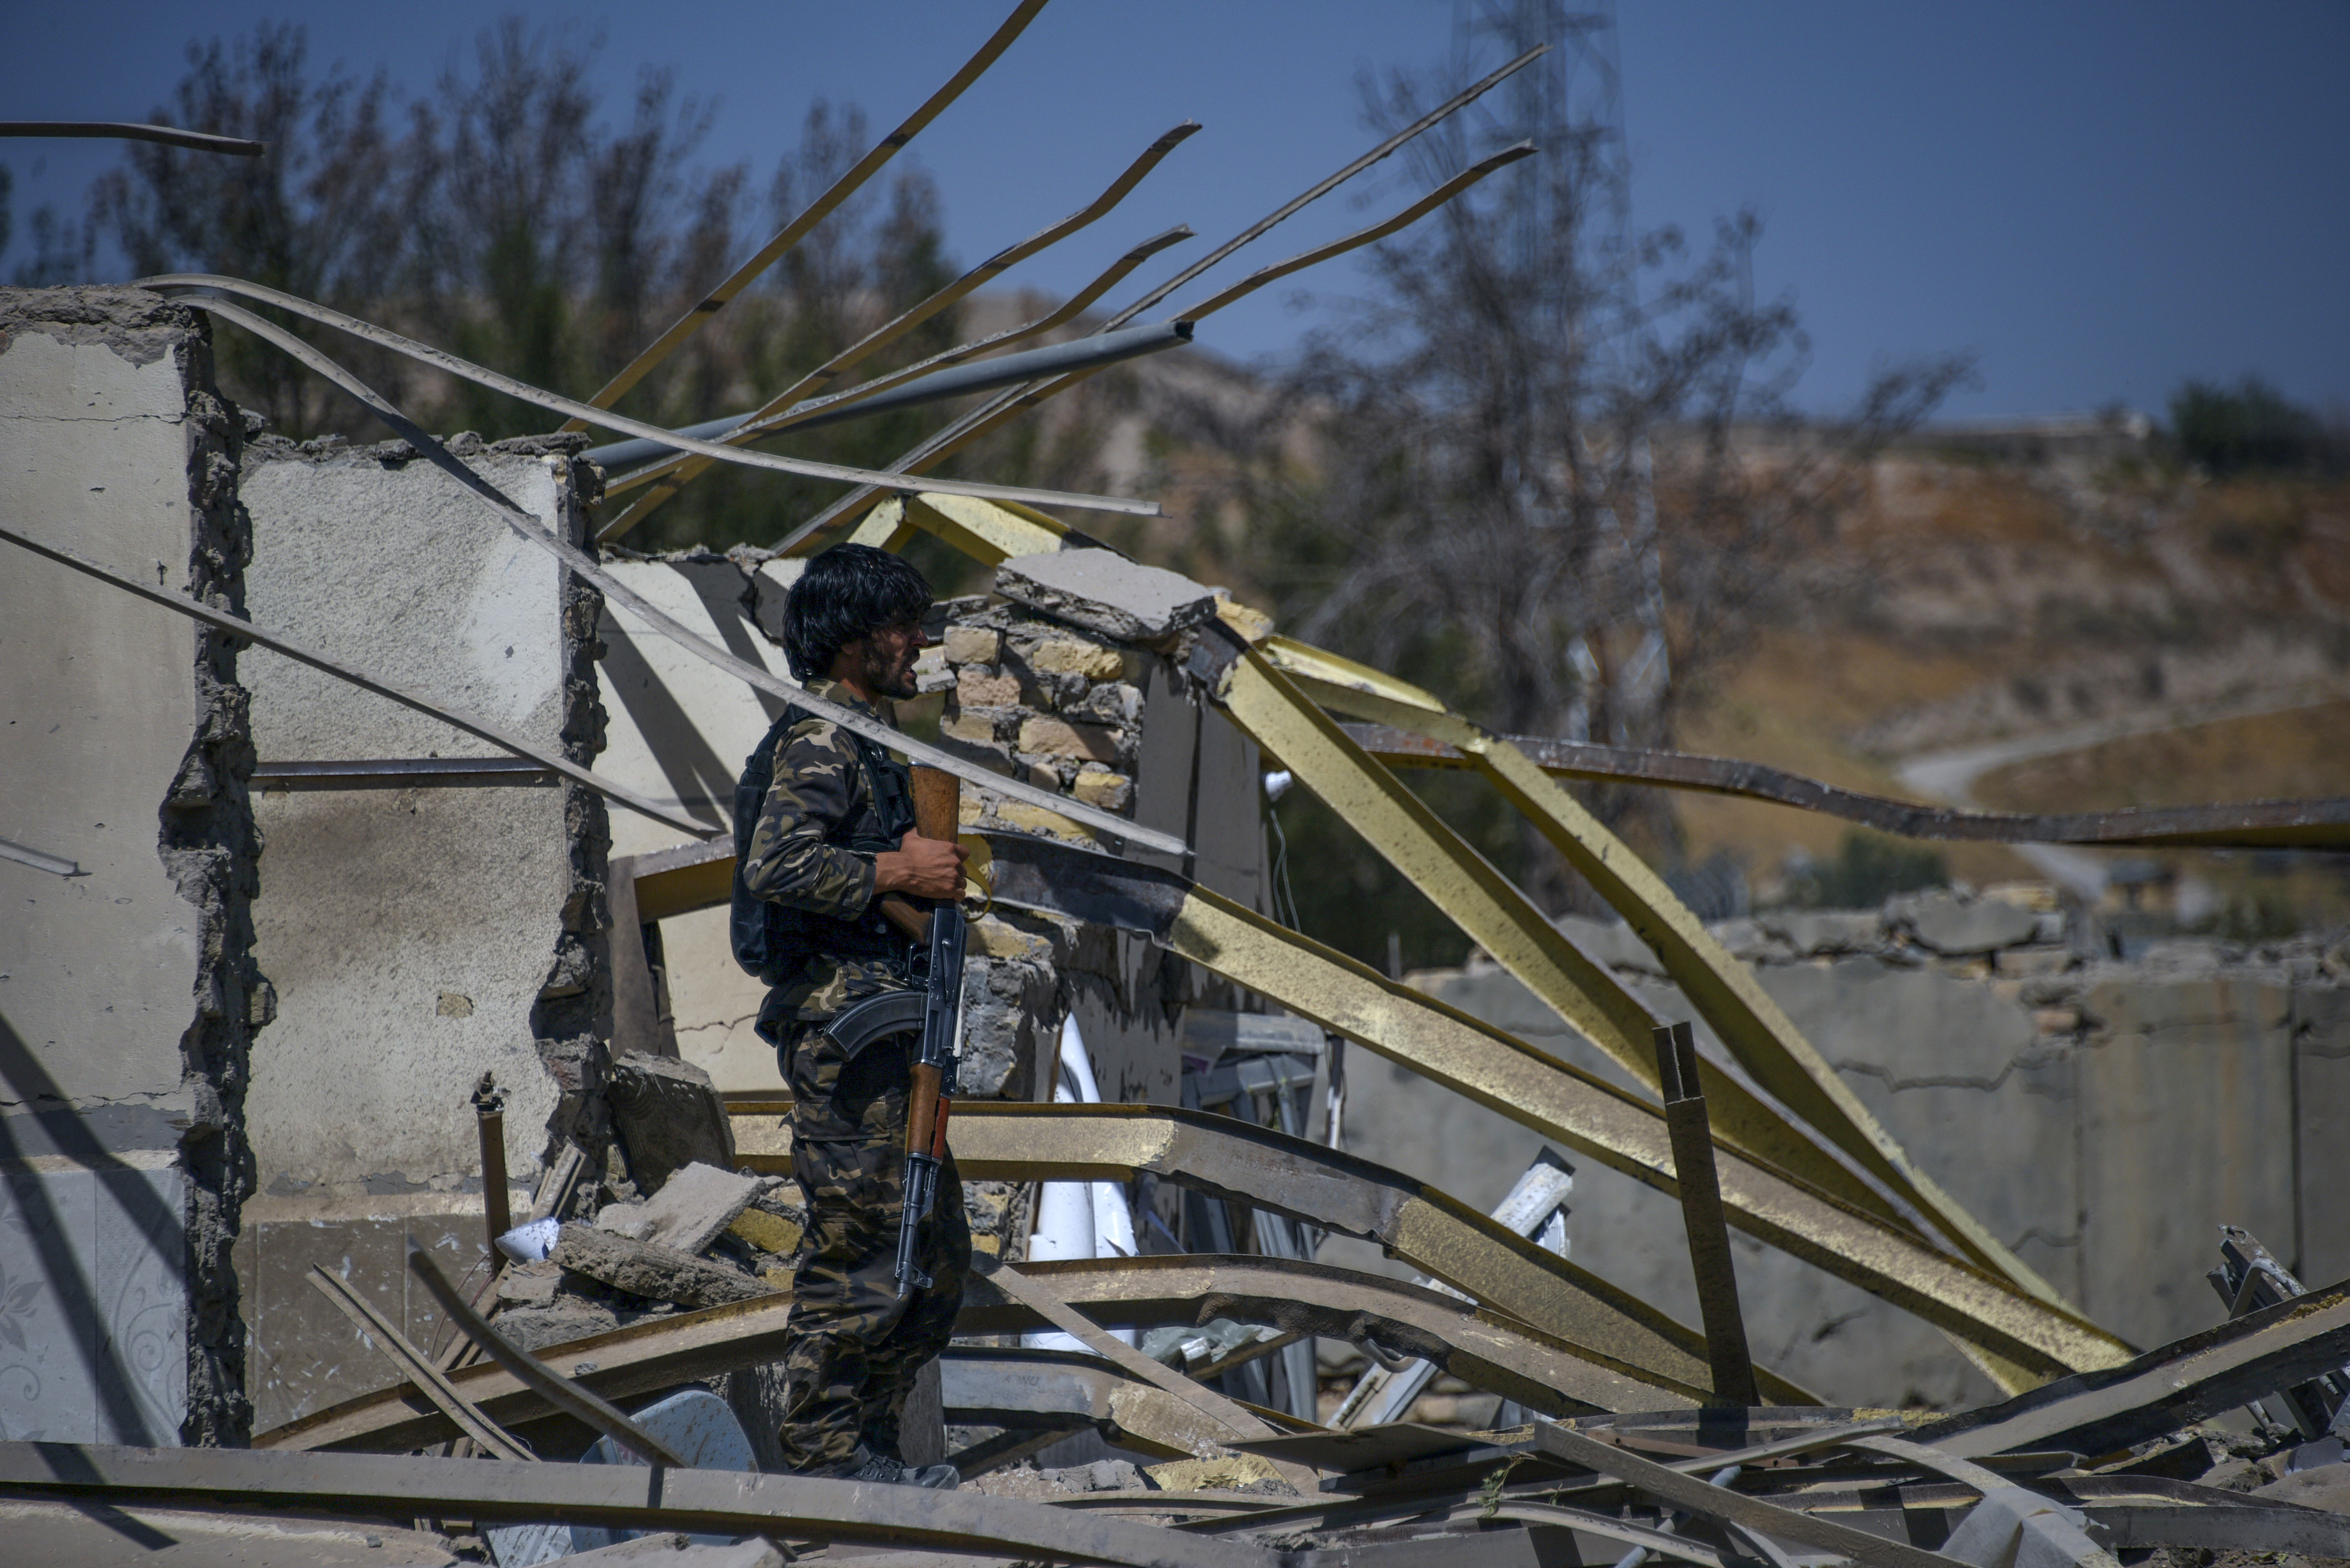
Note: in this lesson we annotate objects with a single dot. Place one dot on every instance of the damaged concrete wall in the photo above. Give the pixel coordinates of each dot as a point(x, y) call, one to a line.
point(127, 989)
point(678, 731)
point(418, 937)
point(2103, 1119)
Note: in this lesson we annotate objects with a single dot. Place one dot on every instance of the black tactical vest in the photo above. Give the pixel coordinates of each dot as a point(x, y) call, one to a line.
point(775, 941)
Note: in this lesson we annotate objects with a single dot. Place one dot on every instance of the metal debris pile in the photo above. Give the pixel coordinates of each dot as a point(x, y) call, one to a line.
point(2123, 1465)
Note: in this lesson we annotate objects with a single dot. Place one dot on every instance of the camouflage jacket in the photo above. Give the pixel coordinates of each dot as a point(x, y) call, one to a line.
point(820, 796)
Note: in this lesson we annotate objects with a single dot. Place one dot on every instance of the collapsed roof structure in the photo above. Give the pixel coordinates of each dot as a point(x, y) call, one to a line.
point(396, 974)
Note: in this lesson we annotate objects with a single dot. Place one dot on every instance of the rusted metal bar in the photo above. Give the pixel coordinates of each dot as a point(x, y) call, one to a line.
point(1484, 1349)
point(423, 1375)
point(490, 1115)
point(131, 130)
point(658, 1352)
point(200, 289)
point(402, 773)
point(815, 212)
point(1709, 1238)
point(1443, 1237)
point(982, 420)
point(1687, 1491)
point(791, 401)
point(626, 1497)
point(1010, 404)
point(2166, 1388)
point(549, 1385)
point(2320, 824)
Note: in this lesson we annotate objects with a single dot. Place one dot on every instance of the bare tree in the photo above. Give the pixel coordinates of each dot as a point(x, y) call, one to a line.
point(319, 216)
point(1554, 475)
point(508, 216)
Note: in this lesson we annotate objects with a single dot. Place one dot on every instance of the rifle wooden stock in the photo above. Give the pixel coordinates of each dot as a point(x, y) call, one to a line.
point(938, 808)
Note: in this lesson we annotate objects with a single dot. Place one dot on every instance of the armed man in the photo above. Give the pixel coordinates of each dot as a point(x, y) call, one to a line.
point(831, 878)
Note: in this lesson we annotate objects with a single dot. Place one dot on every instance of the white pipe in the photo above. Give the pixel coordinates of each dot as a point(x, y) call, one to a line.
point(1078, 1218)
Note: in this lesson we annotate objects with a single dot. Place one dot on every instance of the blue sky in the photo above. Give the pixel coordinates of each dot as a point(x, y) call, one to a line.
point(2097, 200)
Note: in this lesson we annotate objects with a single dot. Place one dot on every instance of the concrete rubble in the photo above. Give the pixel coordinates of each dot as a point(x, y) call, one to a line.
point(285, 1078)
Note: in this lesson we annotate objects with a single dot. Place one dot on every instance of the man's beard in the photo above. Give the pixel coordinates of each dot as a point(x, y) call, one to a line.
point(886, 678)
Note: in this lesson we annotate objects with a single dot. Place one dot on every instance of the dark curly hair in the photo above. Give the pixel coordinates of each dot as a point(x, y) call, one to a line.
point(847, 592)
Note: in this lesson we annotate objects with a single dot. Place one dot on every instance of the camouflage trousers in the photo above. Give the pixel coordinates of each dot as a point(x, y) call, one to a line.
point(856, 1346)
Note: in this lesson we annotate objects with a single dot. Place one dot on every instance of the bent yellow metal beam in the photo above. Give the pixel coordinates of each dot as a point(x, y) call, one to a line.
point(1494, 914)
point(840, 189)
point(1610, 1125)
point(1430, 1229)
point(1757, 1032)
point(819, 380)
point(985, 533)
point(1069, 309)
point(1013, 401)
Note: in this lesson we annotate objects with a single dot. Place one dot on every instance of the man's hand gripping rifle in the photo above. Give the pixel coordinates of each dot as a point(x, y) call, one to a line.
point(937, 801)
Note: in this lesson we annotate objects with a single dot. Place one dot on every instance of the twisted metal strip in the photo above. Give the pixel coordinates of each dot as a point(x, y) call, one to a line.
point(383, 336)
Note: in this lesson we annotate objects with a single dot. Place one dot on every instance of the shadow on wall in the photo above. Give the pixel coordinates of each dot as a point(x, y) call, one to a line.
point(125, 1412)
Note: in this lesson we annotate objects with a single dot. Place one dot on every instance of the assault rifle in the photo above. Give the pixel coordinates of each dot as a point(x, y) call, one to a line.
point(936, 805)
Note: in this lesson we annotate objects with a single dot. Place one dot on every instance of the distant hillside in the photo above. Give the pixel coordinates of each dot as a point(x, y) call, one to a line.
point(2170, 639)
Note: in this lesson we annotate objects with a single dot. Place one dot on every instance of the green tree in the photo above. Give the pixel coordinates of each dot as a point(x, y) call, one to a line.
point(2249, 426)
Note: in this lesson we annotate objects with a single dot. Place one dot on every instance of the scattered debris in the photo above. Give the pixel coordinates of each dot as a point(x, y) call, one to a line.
point(657, 1272)
point(1102, 592)
point(693, 1206)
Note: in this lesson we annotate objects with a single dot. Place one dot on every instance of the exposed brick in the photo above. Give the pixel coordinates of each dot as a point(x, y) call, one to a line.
point(978, 729)
point(1035, 819)
point(1110, 791)
point(1059, 738)
point(974, 689)
point(996, 939)
point(1068, 656)
point(973, 644)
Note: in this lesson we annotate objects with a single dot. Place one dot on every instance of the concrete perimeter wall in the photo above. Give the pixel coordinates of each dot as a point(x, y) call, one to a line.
point(2103, 1119)
point(418, 937)
point(127, 989)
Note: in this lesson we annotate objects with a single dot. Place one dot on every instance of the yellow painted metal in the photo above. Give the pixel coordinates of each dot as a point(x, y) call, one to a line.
point(1281, 719)
point(1615, 1127)
point(1434, 1232)
point(1442, 865)
point(764, 420)
point(840, 190)
point(1757, 1032)
point(985, 533)
point(885, 527)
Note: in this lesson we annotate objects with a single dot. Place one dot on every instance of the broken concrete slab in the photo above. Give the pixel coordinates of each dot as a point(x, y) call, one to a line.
point(1102, 592)
point(1957, 927)
point(659, 1273)
point(669, 1115)
point(694, 1206)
